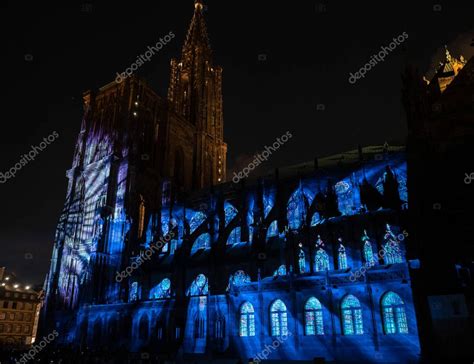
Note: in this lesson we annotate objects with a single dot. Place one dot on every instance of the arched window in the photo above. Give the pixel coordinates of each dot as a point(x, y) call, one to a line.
point(143, 328)
point(341, 256)
point(301, 260)
point(239, 278)
point(199, 287)
point(281, 271)
point(391, 248)
point(313, 314)
point(268, 203)
point(393, 312)
point(202, 242)
point(296, 210)
point(316, 219)
point(133, 295)
point(368, 252)
point(351, 316)
point(247, 320)
point(197, 220)
point(234, 236)
point(279, 320)
point(161, 290)
point(230, 212)
point(272, 229)
point(321, 259)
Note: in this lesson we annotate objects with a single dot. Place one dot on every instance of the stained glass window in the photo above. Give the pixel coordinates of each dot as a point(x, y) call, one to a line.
point(247, 320)
point(279, 319)
point(296, 210)
point(391, 248)
point(230, 213)
point(341, 257)
point(202, 242)
point(268, 202)
point(199, 286)
point(196, 221)
point(321, 261)
point(272, 229)
point(301, 260)
point(351, 316)
point(394, 317)
point(161, 290)
point(368, 252)
point(316, 219)
point(234, 236)
point(133, 296)
point(239, 278)
point(281, 271)
point(321, 258)
point(313, 314)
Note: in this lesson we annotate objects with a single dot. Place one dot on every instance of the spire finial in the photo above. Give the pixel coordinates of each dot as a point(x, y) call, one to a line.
point(198, 5)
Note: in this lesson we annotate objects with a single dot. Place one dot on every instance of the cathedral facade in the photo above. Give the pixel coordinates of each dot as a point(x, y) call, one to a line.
point(294, 266)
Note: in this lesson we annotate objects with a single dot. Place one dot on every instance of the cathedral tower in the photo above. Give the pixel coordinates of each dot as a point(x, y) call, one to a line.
point(195, 93)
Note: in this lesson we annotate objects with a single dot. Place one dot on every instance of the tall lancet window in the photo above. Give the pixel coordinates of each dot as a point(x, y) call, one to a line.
point(247, 320)
point(321, 260)
point(368, 252)
point(394, 317)
point(391, 248)
point(301, 260)
point(313, 313)
point(341, 256)
point(279, 319)
point(351, 316)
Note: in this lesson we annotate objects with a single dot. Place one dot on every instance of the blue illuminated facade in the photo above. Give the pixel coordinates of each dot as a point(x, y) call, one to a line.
point(313, 258)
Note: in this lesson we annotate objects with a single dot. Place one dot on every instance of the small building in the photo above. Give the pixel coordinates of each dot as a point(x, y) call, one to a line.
point(20, 305)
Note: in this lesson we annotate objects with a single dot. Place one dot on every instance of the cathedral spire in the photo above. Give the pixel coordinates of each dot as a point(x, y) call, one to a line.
point(197, 33)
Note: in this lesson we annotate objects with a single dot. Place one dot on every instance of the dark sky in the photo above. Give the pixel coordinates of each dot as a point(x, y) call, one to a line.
point(56, 52)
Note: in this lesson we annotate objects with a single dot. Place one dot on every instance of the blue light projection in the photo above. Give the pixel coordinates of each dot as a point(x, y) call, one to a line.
point(197, 220)
point(394, 316)
point(161, 290)
point(368, 252)
point(238, 279)
point(392, 248)
point(301, 260)
point(321, 259)
point(272, 229)
point(133, 295)
point(230, 212)
point(247, 320)
point(234, 236)
point(296, 210)
point(352, 316)
point(228, 321)
point(341, 256)
point(313, 313)
point(199, 286)
point(279, 319)
point(201, 243)
point(280, 272)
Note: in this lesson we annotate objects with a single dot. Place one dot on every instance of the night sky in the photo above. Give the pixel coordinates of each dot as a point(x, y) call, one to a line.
point(56, 52)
